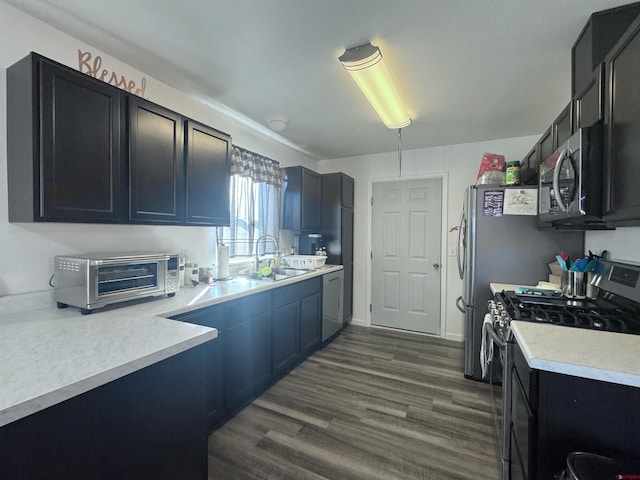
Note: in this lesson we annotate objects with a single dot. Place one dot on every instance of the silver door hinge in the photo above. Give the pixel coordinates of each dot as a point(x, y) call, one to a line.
point(371, 254)
point(370, 308)
point(371, 200)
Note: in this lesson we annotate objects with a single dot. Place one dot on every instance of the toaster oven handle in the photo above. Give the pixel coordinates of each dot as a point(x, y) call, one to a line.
point(556, 181)
point(132, 258)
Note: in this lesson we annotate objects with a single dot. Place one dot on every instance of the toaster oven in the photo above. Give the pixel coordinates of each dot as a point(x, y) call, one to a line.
point(94, 281)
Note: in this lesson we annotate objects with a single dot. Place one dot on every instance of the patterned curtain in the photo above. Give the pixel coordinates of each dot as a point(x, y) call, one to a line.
point(256, 167)
point(256, 184)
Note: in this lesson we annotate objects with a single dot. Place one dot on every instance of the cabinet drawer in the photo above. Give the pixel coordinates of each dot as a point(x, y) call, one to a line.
point(207, 317)
point(246, 307)
point(297, 290)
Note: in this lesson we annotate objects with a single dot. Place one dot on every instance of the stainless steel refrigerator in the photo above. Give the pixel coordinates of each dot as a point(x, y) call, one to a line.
point(499, 241)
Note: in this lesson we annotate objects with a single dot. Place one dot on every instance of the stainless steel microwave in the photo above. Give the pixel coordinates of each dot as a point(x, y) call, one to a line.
point(94, 281)
point(572, 180)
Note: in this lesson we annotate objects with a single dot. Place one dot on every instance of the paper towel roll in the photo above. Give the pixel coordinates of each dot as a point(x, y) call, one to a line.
point(223, 261)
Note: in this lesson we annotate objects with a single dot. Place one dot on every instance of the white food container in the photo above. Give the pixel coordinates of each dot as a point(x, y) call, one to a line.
point(305, 262)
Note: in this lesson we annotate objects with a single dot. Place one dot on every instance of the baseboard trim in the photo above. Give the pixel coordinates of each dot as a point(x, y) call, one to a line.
point(456, 337)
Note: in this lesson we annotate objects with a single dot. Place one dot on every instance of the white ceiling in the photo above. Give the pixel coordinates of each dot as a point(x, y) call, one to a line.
point(469, 70)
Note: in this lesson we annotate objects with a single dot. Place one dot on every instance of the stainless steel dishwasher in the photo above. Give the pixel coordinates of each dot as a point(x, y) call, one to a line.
point(332, 303)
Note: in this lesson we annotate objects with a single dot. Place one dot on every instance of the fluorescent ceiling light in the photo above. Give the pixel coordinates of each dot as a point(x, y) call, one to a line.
point(367, 68)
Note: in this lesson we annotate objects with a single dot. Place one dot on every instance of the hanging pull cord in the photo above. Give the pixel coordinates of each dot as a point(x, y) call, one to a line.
point(399, 152)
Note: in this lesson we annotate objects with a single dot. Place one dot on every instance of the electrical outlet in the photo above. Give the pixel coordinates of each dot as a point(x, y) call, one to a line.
point(452, 251)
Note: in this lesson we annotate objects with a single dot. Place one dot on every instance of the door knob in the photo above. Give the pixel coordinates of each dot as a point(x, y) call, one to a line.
point(436, 266)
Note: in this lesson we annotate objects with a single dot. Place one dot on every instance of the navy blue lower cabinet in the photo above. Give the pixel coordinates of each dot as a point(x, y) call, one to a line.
point(310, 322)
point(285, 320)
point(261, 337)
point(214, 399)
point(246, 359)
point(149, 424)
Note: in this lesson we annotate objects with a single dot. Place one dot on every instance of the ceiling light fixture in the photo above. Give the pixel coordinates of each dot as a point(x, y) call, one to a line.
point(278, 124)
point(366, 67)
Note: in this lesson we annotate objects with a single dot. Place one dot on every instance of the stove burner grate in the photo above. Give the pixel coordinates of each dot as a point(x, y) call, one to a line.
point(571, 313)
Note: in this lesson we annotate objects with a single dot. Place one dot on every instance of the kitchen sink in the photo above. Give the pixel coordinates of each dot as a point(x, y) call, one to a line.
point(280, 275)
point(289, 272)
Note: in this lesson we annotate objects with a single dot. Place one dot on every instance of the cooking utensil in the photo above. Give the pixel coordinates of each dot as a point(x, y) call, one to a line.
point(591, 265)
point(561, 262)
point(581, 264)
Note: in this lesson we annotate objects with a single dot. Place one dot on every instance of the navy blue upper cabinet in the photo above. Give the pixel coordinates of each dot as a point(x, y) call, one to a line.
point(301, 200)
point(599, 35)
point(65, 154)
point(208, 169)
point(622, 129)
point(337, 229)
point(156, 163)
point(588, 104)
point(80, 150)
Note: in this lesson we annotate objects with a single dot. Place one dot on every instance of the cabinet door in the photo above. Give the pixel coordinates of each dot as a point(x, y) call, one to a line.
point(623, 127)
point(284, 336)
point(247, 359)
point(81, 158)
point(582, 59)
point(529, 168)
point(545, 145)
point(347, 191)
point(347, 249)
point(597, 39)
point(302, 200)
point(156, 163)
point(347, 235)
point(214, 366)
point(310, 322)
point(311, 200)
point(588, 104)
point(348, 293)
point(562, 126)
point(208, 172)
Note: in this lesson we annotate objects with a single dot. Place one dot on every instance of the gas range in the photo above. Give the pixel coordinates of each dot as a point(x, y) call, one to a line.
point(616, 308)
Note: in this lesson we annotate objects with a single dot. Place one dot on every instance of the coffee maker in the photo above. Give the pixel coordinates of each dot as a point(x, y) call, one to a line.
point(309, 243)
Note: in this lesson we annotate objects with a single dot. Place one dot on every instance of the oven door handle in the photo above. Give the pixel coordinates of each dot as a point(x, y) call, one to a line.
point(494, 336)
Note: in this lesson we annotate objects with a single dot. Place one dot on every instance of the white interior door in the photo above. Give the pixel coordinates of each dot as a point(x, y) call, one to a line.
point(405, 261)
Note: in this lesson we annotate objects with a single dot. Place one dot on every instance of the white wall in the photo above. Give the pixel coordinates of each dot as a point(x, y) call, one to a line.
point(460, 163)
point(27, 250)
point(623, 244)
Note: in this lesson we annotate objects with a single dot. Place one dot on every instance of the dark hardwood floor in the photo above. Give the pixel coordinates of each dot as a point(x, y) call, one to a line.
point(374, 404)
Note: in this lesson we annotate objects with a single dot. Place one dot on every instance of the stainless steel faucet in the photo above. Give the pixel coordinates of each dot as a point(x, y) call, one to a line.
point(263, 237)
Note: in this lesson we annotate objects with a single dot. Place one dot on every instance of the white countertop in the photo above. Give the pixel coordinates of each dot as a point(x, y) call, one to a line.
point(606, 356)
point(48, 355)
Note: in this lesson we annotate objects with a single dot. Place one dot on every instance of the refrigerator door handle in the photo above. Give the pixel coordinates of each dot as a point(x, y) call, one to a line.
point(458, 249)
point(461, 305)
